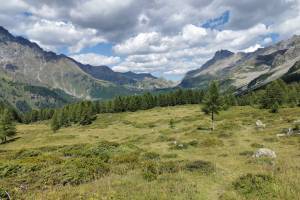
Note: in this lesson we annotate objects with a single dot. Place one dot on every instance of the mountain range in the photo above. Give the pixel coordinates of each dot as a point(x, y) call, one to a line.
point(248, 71)
point(23, 62)
point(32, 78)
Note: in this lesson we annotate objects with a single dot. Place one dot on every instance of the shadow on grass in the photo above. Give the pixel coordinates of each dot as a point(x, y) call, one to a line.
point(11, 140)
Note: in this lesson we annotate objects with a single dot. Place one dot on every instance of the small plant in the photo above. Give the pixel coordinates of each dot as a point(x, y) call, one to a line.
point(201, 166)
point(210, 142)
point(169, 167)
point(246, 153)
point(256, 145)
point(4, 194)
point(150, 170)
point(179, 146)
point(27, 153)
point(255, 186)
point(275, 108)
point(151, 156)
point(77, 171)
point(193, 143)
point(172, 123)
point(170, 155)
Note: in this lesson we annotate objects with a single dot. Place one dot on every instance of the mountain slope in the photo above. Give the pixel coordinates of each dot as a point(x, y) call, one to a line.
point(246, 71)
point(25, 62)
point(24, 97)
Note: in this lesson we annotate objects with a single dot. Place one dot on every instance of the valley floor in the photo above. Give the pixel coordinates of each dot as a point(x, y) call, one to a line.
point(163, 153)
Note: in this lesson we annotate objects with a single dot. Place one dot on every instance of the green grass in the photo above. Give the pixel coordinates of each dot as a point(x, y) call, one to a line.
point(135, 156)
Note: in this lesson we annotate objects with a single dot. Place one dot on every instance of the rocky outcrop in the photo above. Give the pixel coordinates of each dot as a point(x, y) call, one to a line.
point(247, 71)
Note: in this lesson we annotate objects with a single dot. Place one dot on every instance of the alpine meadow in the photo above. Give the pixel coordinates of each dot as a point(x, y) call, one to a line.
point(150, 100)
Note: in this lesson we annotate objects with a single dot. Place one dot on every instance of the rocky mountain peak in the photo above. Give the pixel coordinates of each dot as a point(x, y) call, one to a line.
point(221, 54)
point(5, 35)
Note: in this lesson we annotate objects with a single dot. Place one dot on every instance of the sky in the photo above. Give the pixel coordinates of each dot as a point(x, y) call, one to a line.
point(164, 37)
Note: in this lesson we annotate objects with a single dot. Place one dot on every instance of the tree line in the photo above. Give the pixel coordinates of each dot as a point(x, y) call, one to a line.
point(273, 96)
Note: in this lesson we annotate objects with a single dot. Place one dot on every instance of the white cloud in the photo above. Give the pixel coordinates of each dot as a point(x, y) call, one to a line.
point(192, 33)
point(56, 34)
point(96, 59)
point(252, 48)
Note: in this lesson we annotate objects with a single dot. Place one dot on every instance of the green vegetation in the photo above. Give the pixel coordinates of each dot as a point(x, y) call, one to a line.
point(7, 126)
point(119, 157)
point(213, 102)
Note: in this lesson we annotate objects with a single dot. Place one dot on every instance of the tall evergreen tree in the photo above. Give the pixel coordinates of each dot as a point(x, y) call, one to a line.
point(213, 102)
point(7, 126)
point(274, 94)
point(55, 124)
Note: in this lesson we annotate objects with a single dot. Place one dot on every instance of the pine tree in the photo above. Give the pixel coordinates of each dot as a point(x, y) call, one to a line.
point(213, 102)
point(55, 124)
point(274, 93)
point(7, 126)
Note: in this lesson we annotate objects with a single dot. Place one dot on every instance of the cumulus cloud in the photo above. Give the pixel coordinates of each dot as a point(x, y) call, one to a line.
point(54, 34)
point(96, 59)
point(165, 36)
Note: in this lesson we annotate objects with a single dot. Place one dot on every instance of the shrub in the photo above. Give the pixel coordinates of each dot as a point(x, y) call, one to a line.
point(271, 139)
point(77, 171)
point(179, 146)
point(164, 138)
point(256, 145)
point(204, 167)
point(101, 150)
point(210, 142)
point(27, 153)
point(172, 124)
point(169, 167)
point(3, 194)
point(246, 153)
point(150, 170)
point(193, 143)
point(10, 170)
point(170, 155)
point(132, 158)
point(258, 186)
point(151, 156)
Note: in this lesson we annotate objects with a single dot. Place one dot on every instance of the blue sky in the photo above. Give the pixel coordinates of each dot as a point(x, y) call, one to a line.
point(164, 37)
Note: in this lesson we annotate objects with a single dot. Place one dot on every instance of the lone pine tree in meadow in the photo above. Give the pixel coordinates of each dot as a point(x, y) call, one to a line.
point(7, 126)
point(213, 102)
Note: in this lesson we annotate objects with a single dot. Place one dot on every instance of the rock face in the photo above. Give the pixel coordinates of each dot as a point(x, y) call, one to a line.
point(264, 152)
point(246, 71)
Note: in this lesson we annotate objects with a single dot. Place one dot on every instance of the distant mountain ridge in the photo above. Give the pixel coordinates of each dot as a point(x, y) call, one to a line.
point(59, 79)
point(24, 61)
point(246, 71)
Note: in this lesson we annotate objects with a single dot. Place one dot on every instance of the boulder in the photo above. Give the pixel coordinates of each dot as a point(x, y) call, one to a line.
point(264, 152)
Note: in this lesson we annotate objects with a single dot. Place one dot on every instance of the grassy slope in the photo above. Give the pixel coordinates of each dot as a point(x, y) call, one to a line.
point(149, 131)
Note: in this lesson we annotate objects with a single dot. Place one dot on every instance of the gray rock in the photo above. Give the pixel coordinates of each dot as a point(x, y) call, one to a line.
point(264, 152)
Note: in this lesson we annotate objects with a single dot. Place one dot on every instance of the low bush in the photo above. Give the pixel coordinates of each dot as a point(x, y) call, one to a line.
point(151, 156)
point(256, 145)
point(150, 170)
point(211, 142)
point(169, 167)
point(3, 194)
point(179, 146)
point(255, 186)
point(193, 143)
point(201, 166)
point(27, 153)
point(132, 157)
point(246, 153)
point(77, 171)
point(170, 155)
